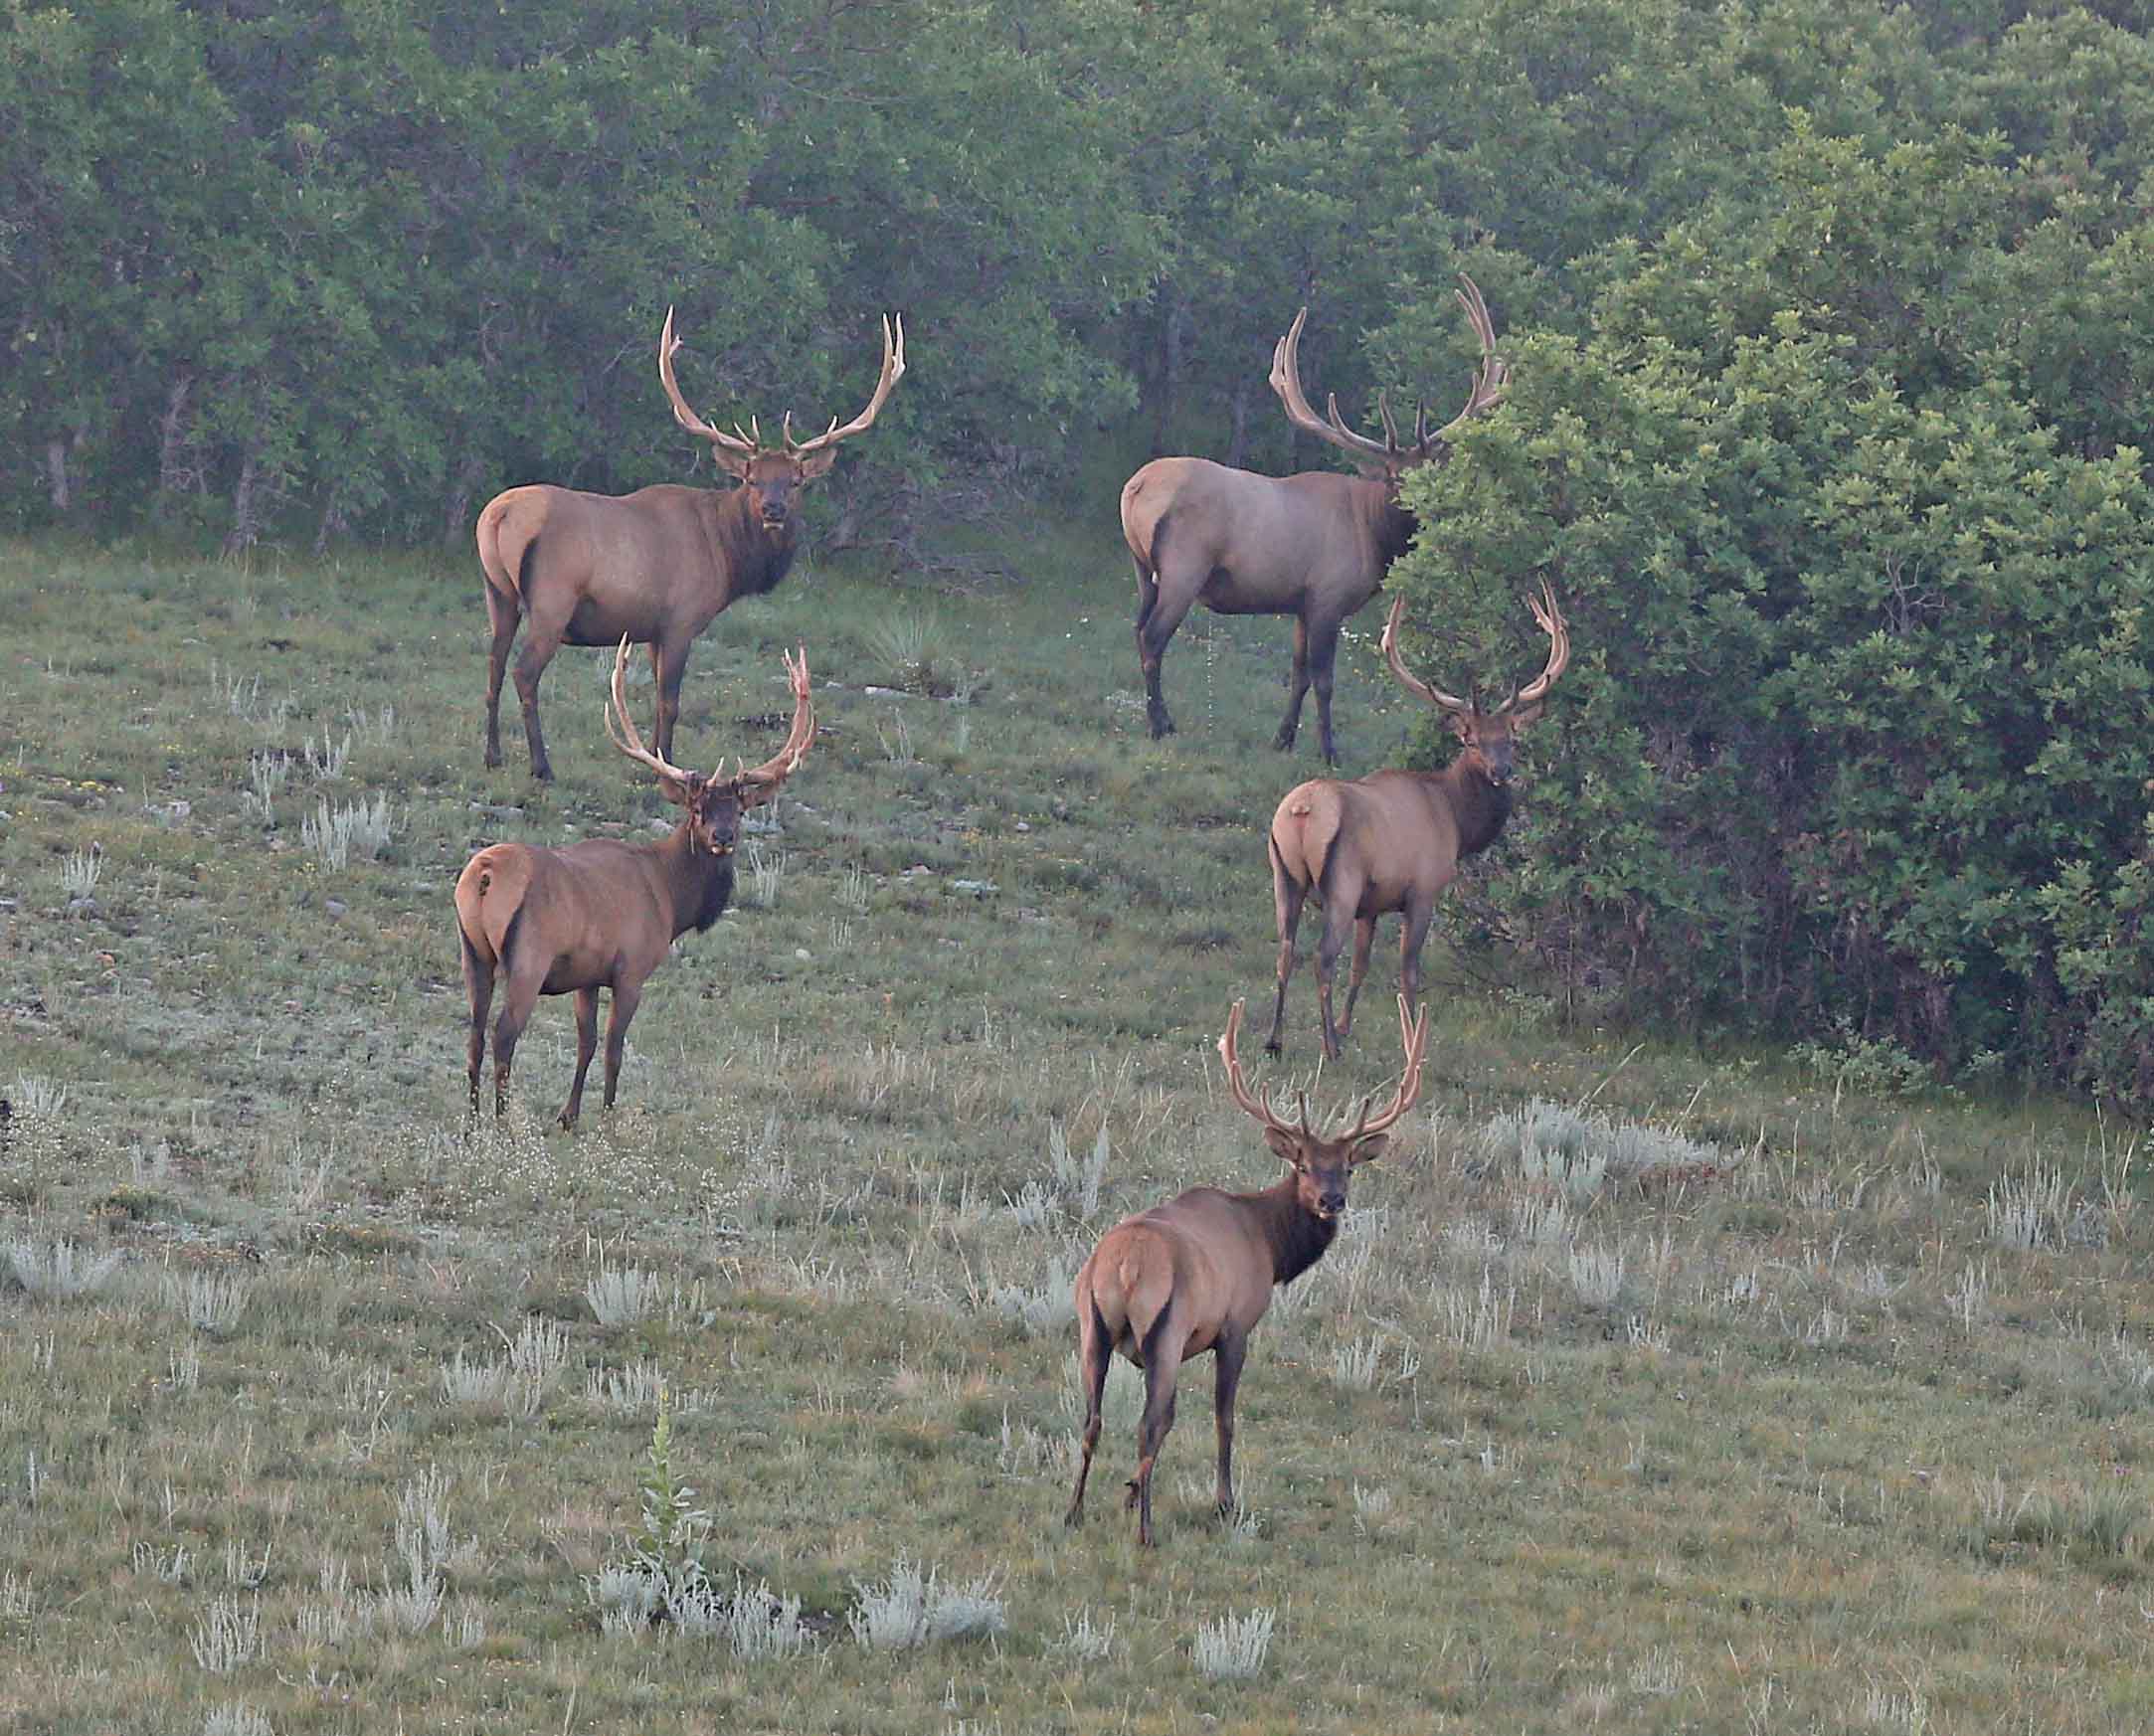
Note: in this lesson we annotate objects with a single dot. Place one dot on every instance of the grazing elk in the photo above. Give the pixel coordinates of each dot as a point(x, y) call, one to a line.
point(1315, 544)
point(656, 566)
point(1393, 841)
point(1197, 1273)
point(603, 913)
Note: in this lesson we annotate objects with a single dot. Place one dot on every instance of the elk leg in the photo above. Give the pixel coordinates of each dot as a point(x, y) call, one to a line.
point(587, 1044)
point(524, 984)
point(1364, 935)
point(502, 612)
point(1161, 1372)
point(1093, 1354)
point(1156, 620)
point(1230, 1350)
point(1297, 688)
point(539, 646)
point(1339, 901)
point(479, 991)
point(668, 666)
point(626, 997)
point(1324, 657)
point(1287, 896)
point(1416, 925)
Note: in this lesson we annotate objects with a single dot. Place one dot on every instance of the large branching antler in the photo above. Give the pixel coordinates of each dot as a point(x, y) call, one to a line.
point(746, 444)
point(893, 369)
point(761, 784)
point(621, 728)
point(1491, 380)
point(1546, 616)
point(1254, 1103)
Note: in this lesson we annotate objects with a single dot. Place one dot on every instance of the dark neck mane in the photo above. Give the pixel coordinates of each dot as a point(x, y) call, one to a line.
point(701, 884)
point(1480, 806)
point(756, 560)
point(1297, 1236)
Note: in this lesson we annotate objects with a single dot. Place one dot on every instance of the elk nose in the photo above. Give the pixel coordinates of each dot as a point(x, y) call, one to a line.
point(1335, 1201)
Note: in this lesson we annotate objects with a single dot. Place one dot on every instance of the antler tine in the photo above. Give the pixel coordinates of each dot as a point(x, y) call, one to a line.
point(893, 370)
point(1413, 1036)
point(668, 342)
point(1492, 379)
point(1250, 1102)
point(1407, 678)
point(620, 728)
point(766, 777)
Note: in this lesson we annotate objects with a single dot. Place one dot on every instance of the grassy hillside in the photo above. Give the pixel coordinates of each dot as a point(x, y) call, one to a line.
point(1646, 1390)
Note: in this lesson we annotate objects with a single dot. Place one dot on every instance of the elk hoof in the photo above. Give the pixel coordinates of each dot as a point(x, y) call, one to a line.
point(1128, 1501)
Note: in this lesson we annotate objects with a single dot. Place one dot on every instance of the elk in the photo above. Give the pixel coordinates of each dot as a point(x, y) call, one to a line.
point(1315, 544)
point(656, 566)
point(603, 913)
point(1197, 1273)
point(1393, 841)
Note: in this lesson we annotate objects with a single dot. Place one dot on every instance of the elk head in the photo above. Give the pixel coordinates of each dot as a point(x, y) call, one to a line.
point(1390, 457)
point(716, 802)
point(1323, 1164)
point(774, 476)
point(1489, 733)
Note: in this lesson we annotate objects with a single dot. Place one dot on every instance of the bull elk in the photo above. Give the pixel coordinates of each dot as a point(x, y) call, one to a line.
point(1393, 841)
point(1197, 1273)
point(656, 565)
point(603, 913)
point(1315, 544)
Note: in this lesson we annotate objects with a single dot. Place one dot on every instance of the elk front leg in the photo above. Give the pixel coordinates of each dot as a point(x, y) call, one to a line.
point(1417, 918)
point(587, 1044)
point(668, 665)
point(1230, 1350)
point(625, 997)
point(1364, 935)
point(1296, 690)
point(1322, 659)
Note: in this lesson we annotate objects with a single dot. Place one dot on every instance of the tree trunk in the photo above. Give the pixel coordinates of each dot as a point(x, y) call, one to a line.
point(246, 509)
point(174, 449)
point(456, 511)
point(56, 474)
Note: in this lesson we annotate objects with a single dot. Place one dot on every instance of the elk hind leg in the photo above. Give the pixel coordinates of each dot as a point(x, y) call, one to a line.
point(1288, 894)
point(1163, 604)
point(1094, 1352)
point(539, 646)
point(525, 980)
point(503, 612)
point(1162, 1367)
point(1338, 918)
point(479, 991)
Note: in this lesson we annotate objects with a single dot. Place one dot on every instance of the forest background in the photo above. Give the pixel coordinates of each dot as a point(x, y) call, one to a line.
point(1831, 325)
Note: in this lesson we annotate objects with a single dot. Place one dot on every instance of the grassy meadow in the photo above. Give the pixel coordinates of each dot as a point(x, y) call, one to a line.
point(1648, 1389)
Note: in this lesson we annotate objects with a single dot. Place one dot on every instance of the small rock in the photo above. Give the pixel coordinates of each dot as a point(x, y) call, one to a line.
point(803, 953)
point(336, 907)
point(978, 888)
point(1023, 826)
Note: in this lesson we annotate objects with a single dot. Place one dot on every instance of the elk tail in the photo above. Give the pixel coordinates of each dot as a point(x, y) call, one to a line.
point(503, 567)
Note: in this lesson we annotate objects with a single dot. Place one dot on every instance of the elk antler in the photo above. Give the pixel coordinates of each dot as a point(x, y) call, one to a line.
point(1414, 1034)
point(761, 784)
point(738, 444)
point(1488, 384)
point(622, 729)
point(1253, 1102)
point(1551, 620)
point(893, 368)
point(1407, 678)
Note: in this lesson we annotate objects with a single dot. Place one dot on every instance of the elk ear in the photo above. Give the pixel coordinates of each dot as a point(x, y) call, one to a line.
point(817, 464)
point(681, 792)
point(1528, 714)
point(734, 465)
point(1285, 1145)
point(1373, 1146)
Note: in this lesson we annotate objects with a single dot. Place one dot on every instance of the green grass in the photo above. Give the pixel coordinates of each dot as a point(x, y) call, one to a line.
point(1798, 1436)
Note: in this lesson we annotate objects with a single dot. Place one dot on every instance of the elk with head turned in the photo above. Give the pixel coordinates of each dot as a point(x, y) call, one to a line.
point(1393, 841)
point(603, 913)
point(1197, 1273)
point(1315, 544)
point(656, 565)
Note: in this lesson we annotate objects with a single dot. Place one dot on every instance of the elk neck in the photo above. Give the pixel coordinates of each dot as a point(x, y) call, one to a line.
point(1477, 804)
point(1395, 527)
point(700, 884)
point(755, 558)
point(1297, 1237)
